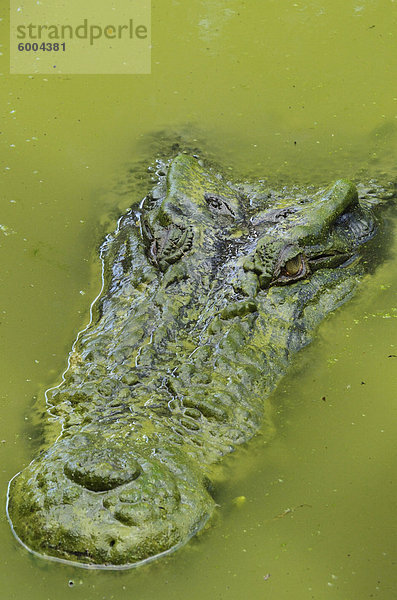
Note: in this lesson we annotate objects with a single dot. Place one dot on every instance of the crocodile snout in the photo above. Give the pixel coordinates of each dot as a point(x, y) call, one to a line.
point(92, 501)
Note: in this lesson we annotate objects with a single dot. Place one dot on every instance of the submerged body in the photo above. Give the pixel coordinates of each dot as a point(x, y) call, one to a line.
point(208, 291)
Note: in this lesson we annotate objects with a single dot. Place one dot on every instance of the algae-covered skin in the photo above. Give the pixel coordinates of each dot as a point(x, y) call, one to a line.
point(208, 291)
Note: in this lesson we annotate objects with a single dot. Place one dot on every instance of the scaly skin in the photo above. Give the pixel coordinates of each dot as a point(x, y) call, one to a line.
point(193, 329)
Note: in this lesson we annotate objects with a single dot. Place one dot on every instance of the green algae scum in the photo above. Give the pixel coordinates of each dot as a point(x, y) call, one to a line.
point(231, 393)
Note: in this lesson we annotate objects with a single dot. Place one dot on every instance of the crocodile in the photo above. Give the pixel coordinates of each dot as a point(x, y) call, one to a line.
point(209, 289)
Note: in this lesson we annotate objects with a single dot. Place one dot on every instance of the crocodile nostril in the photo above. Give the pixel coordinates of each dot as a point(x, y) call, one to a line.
point(100, 470)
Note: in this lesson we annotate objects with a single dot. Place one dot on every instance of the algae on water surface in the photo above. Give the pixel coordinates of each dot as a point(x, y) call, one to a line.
point(287, 92)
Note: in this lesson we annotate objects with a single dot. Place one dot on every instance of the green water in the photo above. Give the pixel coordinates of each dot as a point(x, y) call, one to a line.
point(291, 91)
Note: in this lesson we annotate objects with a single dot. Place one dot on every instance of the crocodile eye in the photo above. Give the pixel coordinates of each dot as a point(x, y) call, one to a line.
point(214, 202)
point(219, 205)
point(294, 266)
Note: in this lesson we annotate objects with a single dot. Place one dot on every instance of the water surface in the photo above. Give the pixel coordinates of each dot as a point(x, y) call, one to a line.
point(282, 90)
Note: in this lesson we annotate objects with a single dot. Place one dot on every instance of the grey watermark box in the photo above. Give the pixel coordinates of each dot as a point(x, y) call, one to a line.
point(80, 37)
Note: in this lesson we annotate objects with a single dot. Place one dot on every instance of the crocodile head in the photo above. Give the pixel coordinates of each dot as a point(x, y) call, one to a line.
point(208, 291)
